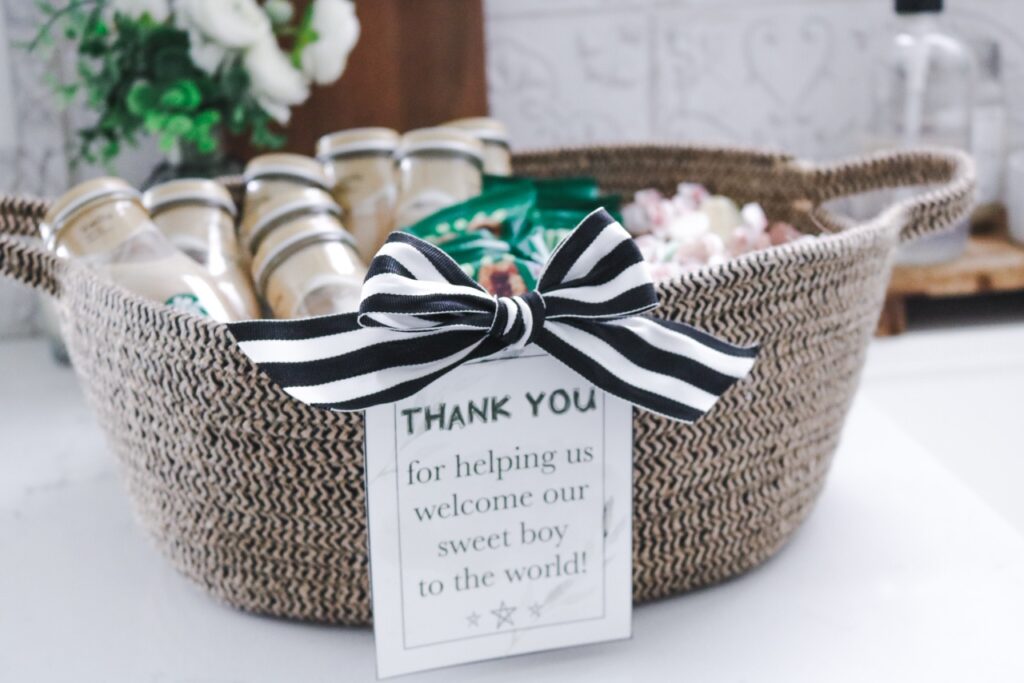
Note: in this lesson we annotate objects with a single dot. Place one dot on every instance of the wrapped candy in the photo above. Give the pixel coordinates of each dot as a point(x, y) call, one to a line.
point(694, 228)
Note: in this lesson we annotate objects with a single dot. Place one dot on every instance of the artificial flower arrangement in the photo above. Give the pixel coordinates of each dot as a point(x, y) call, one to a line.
point(187, 71)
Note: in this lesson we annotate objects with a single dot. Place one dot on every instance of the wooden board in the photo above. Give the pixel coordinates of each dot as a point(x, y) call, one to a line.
point(991, 263)
point(417, 63)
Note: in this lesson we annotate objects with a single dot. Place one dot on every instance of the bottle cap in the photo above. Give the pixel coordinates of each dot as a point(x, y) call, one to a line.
point(282, 209)
point(295, 167)
point(81, 196)
point(188, 192)
point(357, 141)
point(441, 140)
point(483, 128)
point(916, 6)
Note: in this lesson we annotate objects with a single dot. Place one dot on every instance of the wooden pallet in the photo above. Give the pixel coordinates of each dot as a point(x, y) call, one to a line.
point(990, 264)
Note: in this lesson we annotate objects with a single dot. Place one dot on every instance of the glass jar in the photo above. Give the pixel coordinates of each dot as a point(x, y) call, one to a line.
point(271, 174)
point(437, 167)
point(923, 93)
point(361, 172)
point(494, 136)
point(102, 223)
point(989, 125)
point(305, 262)
point(198, 216)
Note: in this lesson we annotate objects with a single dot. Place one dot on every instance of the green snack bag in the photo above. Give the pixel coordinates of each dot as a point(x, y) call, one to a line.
point(550, 191)
point(553, 191)
point(499, 183)
point(503, 237)
point(565, 208)
point(507, 276)
point(500, 214)
point(550, 225)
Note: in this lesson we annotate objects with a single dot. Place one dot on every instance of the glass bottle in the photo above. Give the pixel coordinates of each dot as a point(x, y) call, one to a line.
point(102, 222)
point(305, 262)
point(271, 174)
point(437, 167)
point(989, 126)
point(198, 216)
point(494, 136)
point(923, 96)
point(360, 167)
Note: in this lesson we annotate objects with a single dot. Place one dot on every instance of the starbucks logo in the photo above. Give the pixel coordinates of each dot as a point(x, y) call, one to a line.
point(189, 303)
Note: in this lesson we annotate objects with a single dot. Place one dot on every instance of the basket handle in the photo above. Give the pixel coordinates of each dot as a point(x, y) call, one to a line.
point(923, 214)
point(28, 262)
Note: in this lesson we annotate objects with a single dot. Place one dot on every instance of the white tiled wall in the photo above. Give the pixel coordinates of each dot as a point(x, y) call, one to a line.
point(791, 74)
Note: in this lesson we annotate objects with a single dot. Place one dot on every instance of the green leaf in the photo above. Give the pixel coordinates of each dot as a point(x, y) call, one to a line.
point(238, 115)
point(208, 118)
point(172, 64)
point(206, 144)
point(155, 121)
point(178, 125)
point(97, 28)
point(305, 36)
point(182, 95)
point(67, 93)
point(141, 98)
point(167, 142)
point(138, 77)
point(110, 150)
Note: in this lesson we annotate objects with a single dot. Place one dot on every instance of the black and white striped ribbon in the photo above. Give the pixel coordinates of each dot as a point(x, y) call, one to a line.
point(421, 316)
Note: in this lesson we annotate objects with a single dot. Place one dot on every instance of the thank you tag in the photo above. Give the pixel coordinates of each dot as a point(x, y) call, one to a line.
point(500, 511)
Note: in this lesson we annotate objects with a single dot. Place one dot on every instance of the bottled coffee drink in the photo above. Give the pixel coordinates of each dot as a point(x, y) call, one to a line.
point(271, 174)
point(437, 167)
point(102, 223)
point(361, 172)
point(494, 136)
point(198, 216)
point(305, 262)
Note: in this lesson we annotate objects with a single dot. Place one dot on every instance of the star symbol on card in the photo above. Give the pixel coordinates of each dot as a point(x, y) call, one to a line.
point(473, 620)
point(535, 609)
point(504, 615)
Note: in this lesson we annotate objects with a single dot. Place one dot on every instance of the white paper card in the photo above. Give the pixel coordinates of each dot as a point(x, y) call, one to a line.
point(500, 515)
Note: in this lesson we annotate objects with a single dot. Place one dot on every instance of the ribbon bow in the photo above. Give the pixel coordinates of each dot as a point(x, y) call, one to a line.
point(421, 316)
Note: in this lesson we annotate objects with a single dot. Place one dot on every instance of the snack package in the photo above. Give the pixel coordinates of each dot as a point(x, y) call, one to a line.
point(503, 237)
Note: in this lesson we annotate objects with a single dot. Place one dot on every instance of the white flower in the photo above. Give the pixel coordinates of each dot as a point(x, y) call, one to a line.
point(279, 11)
point(235, 24)
point(337, 28)
point(158, 10)
point(281, 113)
point(206, 54)
point(275, 83)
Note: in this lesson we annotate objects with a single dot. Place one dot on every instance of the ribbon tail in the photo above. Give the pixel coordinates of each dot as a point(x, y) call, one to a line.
point(332, 362)
point(668, 368)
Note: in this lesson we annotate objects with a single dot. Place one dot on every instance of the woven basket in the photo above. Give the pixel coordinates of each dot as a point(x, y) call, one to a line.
point(259, 498)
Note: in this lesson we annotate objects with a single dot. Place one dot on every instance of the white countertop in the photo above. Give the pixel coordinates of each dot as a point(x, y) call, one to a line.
point(900, 574)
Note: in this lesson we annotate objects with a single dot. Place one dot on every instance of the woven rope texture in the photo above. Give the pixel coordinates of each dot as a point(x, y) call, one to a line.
point(259, 498)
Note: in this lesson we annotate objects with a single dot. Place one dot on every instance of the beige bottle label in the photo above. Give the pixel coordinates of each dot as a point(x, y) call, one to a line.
point(101, 229)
